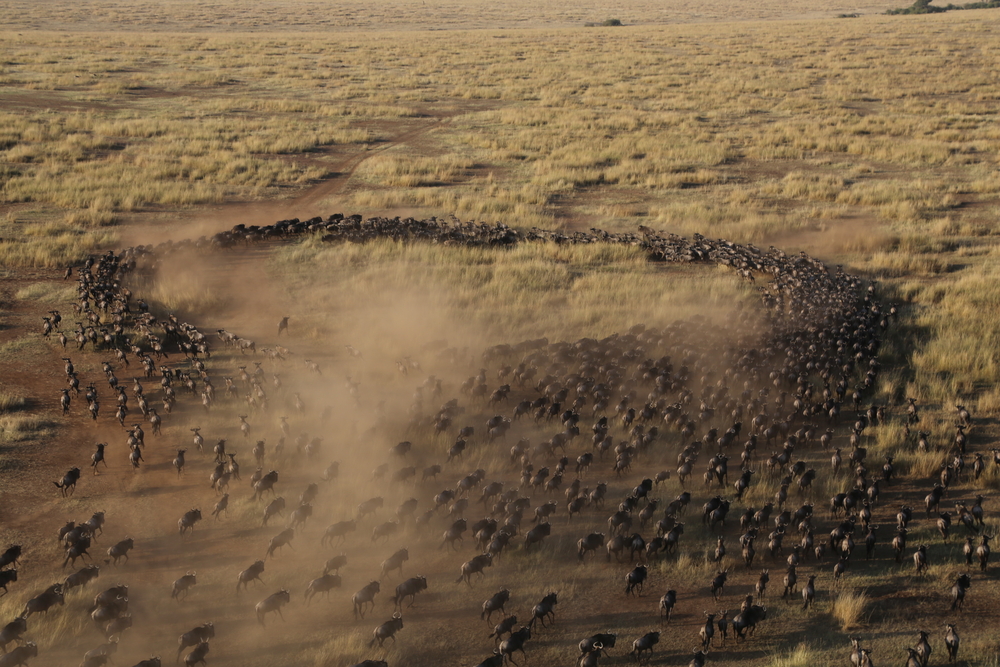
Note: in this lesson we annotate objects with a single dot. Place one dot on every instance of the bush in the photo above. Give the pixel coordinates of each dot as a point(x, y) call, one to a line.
point(611, 22)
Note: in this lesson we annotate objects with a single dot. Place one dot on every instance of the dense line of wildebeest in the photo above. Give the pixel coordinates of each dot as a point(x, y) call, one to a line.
point(784, 379)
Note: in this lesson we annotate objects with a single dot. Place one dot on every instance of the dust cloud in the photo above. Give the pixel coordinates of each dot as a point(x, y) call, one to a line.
point(331, 398)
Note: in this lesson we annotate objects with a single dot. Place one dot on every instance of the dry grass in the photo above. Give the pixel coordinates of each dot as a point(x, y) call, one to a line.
point(869, 142)
point(563, 292)
point(801, 656)
point(354, 15)
point(831, 137)
point(849, 609)
point(17, 428)
point(10, 402)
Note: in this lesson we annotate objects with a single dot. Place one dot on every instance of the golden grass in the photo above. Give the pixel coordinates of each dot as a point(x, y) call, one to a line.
point(849, 609)
point(209, 117)
point(16, 428)
point(353, 15)
point(10, 402)
point(560, 291)
point(802, 655)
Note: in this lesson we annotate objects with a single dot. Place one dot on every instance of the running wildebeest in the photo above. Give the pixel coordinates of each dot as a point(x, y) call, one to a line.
point(271, 603)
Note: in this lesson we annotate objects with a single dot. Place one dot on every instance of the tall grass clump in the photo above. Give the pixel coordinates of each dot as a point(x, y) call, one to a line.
point(849, 608)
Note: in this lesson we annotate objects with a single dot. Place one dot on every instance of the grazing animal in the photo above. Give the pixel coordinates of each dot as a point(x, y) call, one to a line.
point(707, 631)
point(120, 550)
point(635, 579)
point(962, 584)
point(196, 636)
point(197, 655)
point(323, 584)
point(187, 522)
point(475, 566)
point(7, 577)
point(951, 642)
point(387, 630)
point(395, 562)
point(334, 564)
point(645, 643)
point(271, 603)
point(667, 603)
point(544, 609)
point(252, 573)
point(68, 483)
point(12, 632)
point(495, 603)
point(409, 589)
point(281, 539)
point(19, 655)
point(183, 585)
point(365, 596)
point(599, 643)
point(43, 602)
point(515, 642)
point(923, 648)
point(338, 530)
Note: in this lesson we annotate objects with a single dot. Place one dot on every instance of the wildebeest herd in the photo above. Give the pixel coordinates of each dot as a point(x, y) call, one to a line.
point(783, 387)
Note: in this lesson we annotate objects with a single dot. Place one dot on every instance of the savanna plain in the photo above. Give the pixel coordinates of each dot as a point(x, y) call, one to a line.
point(864, 140)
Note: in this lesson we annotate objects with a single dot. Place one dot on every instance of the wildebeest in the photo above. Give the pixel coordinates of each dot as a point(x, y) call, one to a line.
point(120, 550)
point(281, 539)
point(923, 648)
point(7, 577)
point(544, 609)
point(19, 655)
point(395, 562)
point(667, 602)
point(273, 602)
point(197, 655)
point(323, 584)
point(335, 563)
point(515, 642)
point(962, 584)
point(645, 643)
point(951, 642)
point(196, 636)
point(339, 530)
point(537, 534)
point(365, 596)
point(384, 530)
point(370, 506)
point(635, 579)
point(42, 602)
point(119, 625)
point(387, 630)
point(605, 640)
point(591, 543)
point(149, 662)
point(475, 566)
point(12, 632)
point(718, 583)
point(252, 573)
point(495, 660)
point(265, 484)
point(68, 483)
point(747, 620)
point(496, 602)
point(183, 585)
point(187, 522)
point(409, 589)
